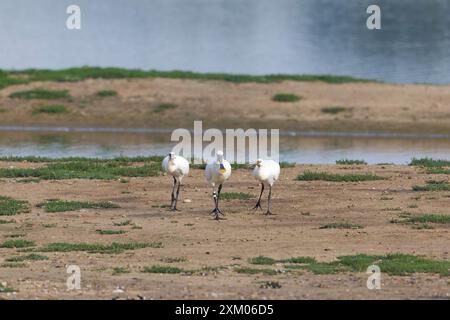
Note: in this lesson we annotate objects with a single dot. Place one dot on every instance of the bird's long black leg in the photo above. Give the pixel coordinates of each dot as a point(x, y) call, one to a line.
point(268, 200)
point(173, 193)
point(216, 210)
point(258, 204)
point(176, 197)
point(218, 196)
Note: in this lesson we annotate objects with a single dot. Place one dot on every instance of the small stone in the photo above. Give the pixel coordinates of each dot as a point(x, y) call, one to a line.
point(187, 200)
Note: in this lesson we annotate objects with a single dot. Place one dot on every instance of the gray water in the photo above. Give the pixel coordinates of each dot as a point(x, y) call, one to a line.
point(300, 149)
point(234, 36)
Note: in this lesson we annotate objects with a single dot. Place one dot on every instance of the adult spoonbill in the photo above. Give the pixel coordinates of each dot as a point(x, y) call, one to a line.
point(177, 167)
point(217, 172)
point(267, 172)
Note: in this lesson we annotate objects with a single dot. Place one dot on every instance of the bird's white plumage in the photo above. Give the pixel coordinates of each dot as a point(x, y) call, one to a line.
point(267, 171)
point(176, 166)
point(218, 170)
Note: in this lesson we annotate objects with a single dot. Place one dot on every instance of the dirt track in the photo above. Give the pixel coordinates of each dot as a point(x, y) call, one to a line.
point(369, 106)
point(300, 207)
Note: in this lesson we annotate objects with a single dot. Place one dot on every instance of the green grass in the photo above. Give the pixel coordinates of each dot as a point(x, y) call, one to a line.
point(85, 169)
point(393, 264)
point(106, 93)
point(108, 232)
point(122, 223)
point(235, 196)
point(429, 163)
point(51, 109)
point(8, 78)
point(341, 225)
point(285, 97)
point(55, 205)
point(431, 218)
point(40, 94)
point(256, 271)
point(284, 164)
point(10, 207)
point(6, 289)
point(29, 257)
point(120, 270)
point(120, 160)
point(6, 221)
point(351, 162)
point(261, 260)
point(433, 186)
point(164, 106)
point(438, 170)
point(113, 248)
point(13, 265)
point(174, 260)
point(324, 176)
point(163, 269)
point(333, 110)
point(17, 243)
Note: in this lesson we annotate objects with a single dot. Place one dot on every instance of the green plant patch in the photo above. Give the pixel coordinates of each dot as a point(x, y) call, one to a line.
point(324, 176)
point(55, 205)
point(10, 207)
point(43, 94)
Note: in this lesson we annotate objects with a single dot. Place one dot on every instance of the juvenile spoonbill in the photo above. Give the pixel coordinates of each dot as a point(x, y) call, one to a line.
point(177, 167)
point(217, 172)
point(266, 172)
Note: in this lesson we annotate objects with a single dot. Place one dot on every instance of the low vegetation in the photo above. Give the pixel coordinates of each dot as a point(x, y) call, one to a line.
point(235, 196)
point(17, 243)
point(8, 78)
point(163, 269)
point(324, 176)
point(285, 97)
point(351, 162)
point(30, 257)
point(341, 225)
point(10, 207)
point(51, 109)
point(85, 169)
point(430, 218)
point(333, 110)
point(429, 163)
point(164, 106)
point(433, 186)
point(262, 260)
point(6, 289)
point(120, 270)
point(40, 94)
point(55, 205)
point(106, 93)
point(112, 248)
point(108, 232)
point(256, 271)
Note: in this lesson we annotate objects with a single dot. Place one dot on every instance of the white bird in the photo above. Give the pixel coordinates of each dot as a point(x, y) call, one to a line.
point(217, 172)
point(267, 172)
point(177, 167)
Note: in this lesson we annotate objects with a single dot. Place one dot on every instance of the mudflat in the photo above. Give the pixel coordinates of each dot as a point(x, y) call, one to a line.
point(174, 103)
point(187, 254)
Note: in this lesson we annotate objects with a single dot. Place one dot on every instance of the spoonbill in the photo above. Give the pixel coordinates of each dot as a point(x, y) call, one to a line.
point(177, 167)
point(217, 172)
point(266, 172)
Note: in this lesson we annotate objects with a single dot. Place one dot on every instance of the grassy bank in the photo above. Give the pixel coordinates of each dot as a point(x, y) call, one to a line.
point(8, 78)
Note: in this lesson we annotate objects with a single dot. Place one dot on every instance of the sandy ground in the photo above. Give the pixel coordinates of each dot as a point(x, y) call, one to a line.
point(370, 106)
point(300, 207)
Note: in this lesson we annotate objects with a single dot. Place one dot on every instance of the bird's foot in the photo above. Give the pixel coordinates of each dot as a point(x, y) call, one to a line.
point(174, 209)
point(257, 206)
point(216, 212)
point(269, 213)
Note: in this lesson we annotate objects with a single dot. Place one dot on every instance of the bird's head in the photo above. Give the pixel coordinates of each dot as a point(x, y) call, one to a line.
point(219, 156)
point(222, 169)
point(258, 163)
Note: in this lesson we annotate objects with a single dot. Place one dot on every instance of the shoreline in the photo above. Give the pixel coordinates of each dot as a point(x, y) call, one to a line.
point(290, 133)
point(350, 107)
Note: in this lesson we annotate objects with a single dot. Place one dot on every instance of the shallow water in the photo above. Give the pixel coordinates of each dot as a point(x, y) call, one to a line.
point(301, 149)
point(235, 36)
